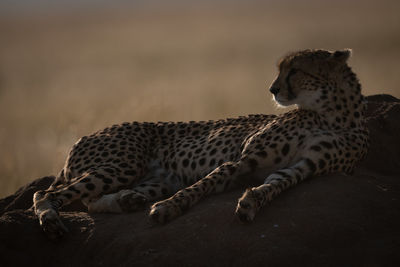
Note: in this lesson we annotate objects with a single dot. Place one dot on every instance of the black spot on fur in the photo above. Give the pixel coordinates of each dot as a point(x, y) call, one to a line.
point(109, 170)
point(130, 172)
point(212, 152)
point(321, 163)
point(90, 187)
point(252, 163)
point(174, 165)
point(311, 165)
point(262, 154)
point(107, 180)
point(193, 165)
point(122, 180)
point(99, 175)
point(316, 148)
point(326, 144)
point(285, 149)
point(185, 163)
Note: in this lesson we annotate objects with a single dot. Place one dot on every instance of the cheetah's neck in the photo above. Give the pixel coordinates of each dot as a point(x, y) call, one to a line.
point(345, 107)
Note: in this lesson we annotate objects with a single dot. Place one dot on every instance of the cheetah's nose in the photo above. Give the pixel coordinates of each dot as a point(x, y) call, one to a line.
point(274, 90)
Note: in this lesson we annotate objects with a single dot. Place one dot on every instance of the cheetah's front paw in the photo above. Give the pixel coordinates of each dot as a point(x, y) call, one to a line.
point(164, 211)
point(51, 224)
point(246, 208)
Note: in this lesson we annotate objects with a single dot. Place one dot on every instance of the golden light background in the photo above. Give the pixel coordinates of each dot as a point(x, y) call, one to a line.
point(66, 72)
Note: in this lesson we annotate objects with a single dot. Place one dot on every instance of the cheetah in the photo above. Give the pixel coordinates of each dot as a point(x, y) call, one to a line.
point(124, 167)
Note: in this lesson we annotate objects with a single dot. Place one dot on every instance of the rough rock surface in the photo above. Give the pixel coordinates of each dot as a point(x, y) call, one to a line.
point(333, 220)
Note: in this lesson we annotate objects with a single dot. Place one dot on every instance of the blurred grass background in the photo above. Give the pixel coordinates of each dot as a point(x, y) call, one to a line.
point(66, 71)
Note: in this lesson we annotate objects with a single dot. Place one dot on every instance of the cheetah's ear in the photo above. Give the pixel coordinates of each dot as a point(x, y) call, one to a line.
point(341, 55)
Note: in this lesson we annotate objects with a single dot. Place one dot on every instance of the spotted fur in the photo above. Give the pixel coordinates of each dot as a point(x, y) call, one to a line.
point(123, 167)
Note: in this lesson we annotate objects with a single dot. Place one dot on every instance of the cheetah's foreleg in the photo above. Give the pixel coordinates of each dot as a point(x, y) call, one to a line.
point(257, 197)
point(217, 181)
point(46, 210)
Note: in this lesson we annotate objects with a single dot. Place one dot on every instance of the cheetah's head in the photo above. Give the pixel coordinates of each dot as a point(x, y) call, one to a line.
point(306, 78)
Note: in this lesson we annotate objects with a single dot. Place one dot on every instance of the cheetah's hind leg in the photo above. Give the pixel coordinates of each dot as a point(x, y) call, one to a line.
point(90, 185)
point(125, 200)
point(136, 199)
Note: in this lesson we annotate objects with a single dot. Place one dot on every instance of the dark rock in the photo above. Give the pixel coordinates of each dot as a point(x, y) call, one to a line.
point(333, 220)
point(383, 116)
point(22, 199)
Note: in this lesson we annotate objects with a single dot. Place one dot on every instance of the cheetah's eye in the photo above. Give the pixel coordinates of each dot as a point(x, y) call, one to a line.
point(291, 72)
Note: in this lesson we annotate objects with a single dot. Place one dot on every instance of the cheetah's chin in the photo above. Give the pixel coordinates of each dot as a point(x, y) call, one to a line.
point(283, 103)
